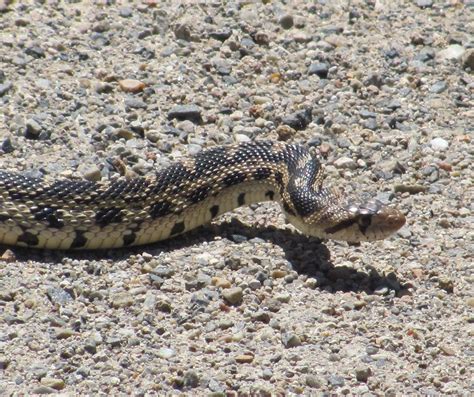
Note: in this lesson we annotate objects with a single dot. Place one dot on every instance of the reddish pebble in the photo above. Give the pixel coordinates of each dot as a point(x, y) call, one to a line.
point(129, 85)
point(445, 166)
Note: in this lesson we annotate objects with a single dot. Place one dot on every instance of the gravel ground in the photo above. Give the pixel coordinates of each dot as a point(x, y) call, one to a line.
point(245, 306)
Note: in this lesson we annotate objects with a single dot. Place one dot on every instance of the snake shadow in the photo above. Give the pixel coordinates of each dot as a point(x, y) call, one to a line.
point(305, 255)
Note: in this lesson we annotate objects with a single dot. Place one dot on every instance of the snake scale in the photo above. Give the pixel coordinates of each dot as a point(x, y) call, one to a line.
point(78, 214)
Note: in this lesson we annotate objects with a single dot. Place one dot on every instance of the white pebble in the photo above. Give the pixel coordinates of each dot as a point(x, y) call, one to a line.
point(345, 162)
point(439, 144)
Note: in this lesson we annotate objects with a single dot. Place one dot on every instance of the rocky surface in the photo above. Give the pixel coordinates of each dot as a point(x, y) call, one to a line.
point(246, 305)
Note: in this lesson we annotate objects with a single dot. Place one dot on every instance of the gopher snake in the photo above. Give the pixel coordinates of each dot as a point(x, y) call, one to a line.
point(66, 214)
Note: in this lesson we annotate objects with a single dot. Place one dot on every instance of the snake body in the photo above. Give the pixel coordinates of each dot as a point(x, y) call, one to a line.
point(74, 214)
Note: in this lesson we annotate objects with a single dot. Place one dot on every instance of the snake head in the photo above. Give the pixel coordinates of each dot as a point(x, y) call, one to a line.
point(368, 221)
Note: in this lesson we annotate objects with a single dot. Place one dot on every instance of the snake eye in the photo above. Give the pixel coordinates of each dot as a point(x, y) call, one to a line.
point(364, 222)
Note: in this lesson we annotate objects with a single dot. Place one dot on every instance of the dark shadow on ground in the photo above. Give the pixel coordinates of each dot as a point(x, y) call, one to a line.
point(306, 256)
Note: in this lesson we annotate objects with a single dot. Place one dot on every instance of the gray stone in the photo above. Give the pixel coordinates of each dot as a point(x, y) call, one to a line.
point(191, 379)
point(363, 374)
point(299, 120)
point(314, 381)
point(267, 373)
point(286, 21)
point(126, 12)
point(254, 284)
point(7, 146)
point(58, 296)
point(44, 390)
point(424, 3)
point(194, 149)
point(44, 84)
point(35, 51)
point(321, 69)
point(223, 67)
point(394, 104)
point(371, 350)
point(290, 340)
point(135, 103)
point(183, 32)
point(221, 35)
point(186, 112)
point(371, 124)
point(5, 87)
point(32, 129)
point(336, 380)
point(438, 87)
point(4, 362)
point(366, 114)
point(262, 316)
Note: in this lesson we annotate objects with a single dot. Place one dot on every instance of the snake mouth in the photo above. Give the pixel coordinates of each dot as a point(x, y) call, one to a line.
point(384, 223)
point(367, 222)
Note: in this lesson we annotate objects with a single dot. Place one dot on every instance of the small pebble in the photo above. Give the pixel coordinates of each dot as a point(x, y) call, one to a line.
point(135, 103)
point(191, 379)
point(424, 3)
point(412, 189)
point(446, 284)
point(438, 87)
point(165, 353)
point(33, 129)
point(336, 380)
point(90, 172)
point(298, 120)
point(286, 21)
point(454, 51)
point(285, 132)
point(221, 35)
point(244, 358)
point(221, 282)
point(44, 390)
point(363, 374)
point(439, 144)
point(130, 85)
point(233, 295)
point(261, 316)
point(122, 299)
point(314, 381)
point(186, 112)
point(345, 162)
point(290, 340)
point(54, 383)
point(467, 59)
point(277, 273)
point(4, 362)
point(64, 333)
point(447, 350)
point(267, 374)
point(5, 87)
point(319, 69)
